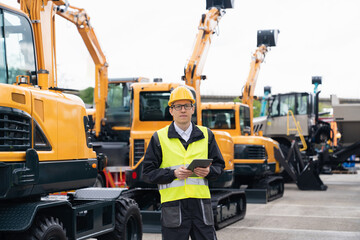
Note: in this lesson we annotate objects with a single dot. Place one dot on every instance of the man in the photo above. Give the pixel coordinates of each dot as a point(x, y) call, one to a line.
point(185, 197)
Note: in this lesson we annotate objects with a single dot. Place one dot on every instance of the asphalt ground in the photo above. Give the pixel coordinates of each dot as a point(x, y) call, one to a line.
point(333, 214)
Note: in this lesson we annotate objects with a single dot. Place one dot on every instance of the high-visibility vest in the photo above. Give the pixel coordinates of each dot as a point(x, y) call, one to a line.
point(174, 155)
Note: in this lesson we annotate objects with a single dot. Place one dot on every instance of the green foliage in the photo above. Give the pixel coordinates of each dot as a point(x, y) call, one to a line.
point(324, 107)
point(87, 95)
point(237, 99)
point(256, 106)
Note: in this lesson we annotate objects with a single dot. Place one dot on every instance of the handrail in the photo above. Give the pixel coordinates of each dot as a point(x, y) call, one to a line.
point(297, 129)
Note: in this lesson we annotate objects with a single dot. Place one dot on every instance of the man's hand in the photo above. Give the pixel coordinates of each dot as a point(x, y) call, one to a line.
point(202, 172)
point(182, 173)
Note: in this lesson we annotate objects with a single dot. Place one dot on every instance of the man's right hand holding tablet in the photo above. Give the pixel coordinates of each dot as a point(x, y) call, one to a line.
point(182, 173)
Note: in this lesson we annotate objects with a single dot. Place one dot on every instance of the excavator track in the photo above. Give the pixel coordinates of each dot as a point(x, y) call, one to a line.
point(275, 187)
point(268, 189)
point(229, 206)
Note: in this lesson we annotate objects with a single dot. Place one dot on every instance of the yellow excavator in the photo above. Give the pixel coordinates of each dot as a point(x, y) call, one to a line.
point(112, 138)
point(259, 161)
point(254, 159)
point(44, 137)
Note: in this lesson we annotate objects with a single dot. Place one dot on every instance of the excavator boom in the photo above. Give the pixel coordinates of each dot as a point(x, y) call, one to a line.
point(80, 18)
point(43, 21)
point(229, 206)
point(266, 38)
point(194, 67)
point(254, 161)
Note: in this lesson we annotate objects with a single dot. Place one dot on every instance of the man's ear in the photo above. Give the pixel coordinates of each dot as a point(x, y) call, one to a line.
point(171, 111)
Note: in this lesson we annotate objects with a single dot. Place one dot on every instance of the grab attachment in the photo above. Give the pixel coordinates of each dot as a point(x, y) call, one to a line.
point(306, 176)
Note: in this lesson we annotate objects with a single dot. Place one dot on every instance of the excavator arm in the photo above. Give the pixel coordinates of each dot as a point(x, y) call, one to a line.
point(194, 67)
point(42, 14)
point(79, 17)
point(266, 38)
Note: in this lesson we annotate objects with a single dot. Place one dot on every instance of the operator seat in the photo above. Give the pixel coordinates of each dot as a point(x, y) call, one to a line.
point(220, 122)
point(153, 110)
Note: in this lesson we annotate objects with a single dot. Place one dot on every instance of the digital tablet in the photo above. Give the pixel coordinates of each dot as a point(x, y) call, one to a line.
point(199, 163)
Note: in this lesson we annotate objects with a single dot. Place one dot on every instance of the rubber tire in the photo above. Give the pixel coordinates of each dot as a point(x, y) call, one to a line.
point(128, 225)
point(99, 181)
point(46, 228)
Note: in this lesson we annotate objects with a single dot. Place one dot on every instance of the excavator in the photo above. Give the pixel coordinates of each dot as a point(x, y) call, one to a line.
point(295, 117)
point(112, 136)
point(258, 160)
point(44, 137)
point(254, 159)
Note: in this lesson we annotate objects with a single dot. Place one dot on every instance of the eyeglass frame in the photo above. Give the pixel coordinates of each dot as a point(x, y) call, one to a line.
point(182, 106)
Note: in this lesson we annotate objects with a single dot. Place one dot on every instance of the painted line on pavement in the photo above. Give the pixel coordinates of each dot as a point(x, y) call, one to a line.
point(341, 233)
point(303, 216)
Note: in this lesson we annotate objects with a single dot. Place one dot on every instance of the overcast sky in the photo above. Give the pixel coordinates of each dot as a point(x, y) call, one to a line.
point(155, 39)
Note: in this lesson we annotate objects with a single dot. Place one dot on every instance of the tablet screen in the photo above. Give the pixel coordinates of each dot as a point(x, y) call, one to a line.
point(199, 163)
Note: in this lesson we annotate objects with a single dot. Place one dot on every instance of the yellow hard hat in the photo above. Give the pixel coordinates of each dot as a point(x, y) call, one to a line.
point(181, 93)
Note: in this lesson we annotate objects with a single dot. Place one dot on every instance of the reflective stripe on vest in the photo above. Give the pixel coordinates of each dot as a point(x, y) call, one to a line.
point(174, 156)
point(180, 183)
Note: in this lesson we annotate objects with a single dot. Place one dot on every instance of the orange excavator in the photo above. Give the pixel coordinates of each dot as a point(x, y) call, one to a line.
point(259, 161)
point(254, 159)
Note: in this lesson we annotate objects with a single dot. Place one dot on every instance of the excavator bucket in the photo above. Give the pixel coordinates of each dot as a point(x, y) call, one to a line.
point(316, 80)
point(222, 4)
point(306, 176)
point(267, 37)
point(309, 178)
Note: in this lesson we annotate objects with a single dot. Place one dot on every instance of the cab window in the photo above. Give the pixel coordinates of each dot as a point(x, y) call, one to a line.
point(118, 104)
point(17, 55)
point(154, 106)
point(302, 104)
point(287, 103)
point(274, 107)
point(219, 119)
point(244, 119)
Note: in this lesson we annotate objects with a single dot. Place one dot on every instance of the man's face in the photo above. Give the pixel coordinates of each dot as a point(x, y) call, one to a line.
point(182, 116)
